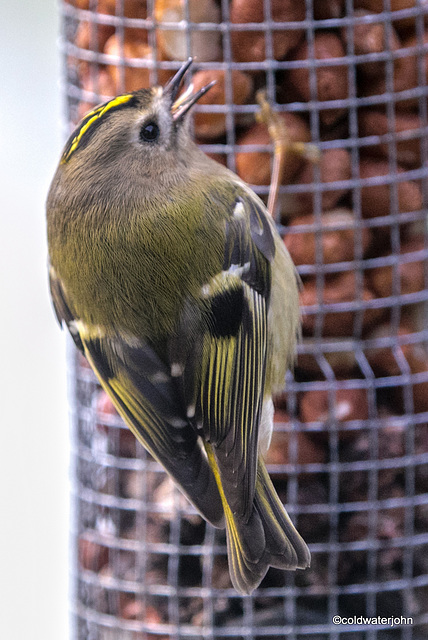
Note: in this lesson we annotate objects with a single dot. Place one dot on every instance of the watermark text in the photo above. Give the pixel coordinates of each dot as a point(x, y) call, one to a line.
point(393, 621)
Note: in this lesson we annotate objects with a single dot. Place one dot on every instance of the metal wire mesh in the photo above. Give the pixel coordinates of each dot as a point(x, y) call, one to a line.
point(350, 454)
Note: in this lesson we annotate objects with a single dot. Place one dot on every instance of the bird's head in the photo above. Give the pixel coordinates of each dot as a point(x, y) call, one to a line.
point(143, 134)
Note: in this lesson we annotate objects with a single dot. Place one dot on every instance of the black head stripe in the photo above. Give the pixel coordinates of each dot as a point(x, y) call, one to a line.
point(83, 133)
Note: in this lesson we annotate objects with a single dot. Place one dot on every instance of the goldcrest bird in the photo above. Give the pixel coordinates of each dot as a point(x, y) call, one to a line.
point(175, 285)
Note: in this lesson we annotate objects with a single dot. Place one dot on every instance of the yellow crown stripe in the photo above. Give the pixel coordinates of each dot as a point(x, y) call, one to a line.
point(93, 116)
point(82, 131)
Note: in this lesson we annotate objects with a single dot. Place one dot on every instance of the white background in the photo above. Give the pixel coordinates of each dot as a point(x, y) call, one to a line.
point(34, 447)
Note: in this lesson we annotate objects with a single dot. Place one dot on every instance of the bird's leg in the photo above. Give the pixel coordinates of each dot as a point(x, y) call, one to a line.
point(283, 145)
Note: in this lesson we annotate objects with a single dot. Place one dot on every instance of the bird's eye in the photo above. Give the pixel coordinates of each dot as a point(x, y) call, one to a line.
point(149, 132)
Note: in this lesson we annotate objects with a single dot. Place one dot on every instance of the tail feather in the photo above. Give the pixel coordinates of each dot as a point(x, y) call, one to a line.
point(268, 538)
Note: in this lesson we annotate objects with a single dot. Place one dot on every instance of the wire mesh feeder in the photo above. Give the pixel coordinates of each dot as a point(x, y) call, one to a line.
point(350, 453)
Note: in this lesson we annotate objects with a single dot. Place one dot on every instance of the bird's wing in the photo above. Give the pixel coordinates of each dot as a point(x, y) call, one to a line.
point(147, 396)
point(223, 374)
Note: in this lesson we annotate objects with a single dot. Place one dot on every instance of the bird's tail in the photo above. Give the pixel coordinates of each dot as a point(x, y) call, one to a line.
point(266, 539)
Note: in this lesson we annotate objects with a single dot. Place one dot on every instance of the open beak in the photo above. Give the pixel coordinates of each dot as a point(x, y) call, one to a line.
point(181, 105)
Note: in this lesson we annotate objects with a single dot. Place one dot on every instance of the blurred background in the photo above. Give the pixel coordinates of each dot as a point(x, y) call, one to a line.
point(34, 456)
